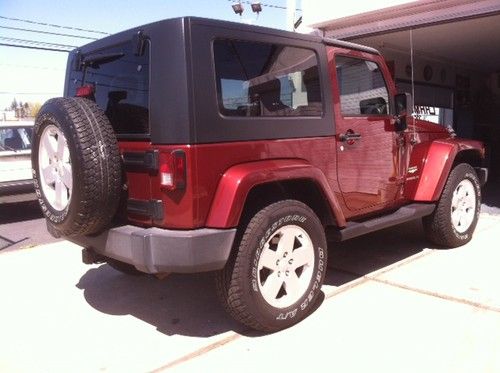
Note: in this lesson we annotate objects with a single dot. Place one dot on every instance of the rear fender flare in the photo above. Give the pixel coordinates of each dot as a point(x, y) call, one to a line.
point(237, 181)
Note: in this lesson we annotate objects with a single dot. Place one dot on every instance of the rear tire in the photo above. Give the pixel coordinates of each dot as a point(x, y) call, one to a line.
point(274, 275)
point(455, 218)
point(76, 166)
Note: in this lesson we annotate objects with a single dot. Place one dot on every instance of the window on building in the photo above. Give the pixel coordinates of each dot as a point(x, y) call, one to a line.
point(362, 87)
point(260, 79)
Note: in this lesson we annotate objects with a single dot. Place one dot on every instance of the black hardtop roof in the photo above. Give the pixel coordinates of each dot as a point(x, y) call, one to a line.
point(188, 21)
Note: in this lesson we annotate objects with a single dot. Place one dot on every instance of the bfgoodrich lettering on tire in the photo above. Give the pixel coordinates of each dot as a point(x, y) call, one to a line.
point(76, 166)
point(455, 218)
point(274, 276)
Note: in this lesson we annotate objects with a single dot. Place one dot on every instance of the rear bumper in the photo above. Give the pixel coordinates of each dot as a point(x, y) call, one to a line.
point(155, 250)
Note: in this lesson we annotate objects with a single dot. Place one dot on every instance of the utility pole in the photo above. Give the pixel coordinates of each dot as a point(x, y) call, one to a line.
point(290, 14)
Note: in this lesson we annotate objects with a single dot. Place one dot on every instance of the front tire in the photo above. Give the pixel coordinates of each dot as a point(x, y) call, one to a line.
point(455, 218)
point(274, 277)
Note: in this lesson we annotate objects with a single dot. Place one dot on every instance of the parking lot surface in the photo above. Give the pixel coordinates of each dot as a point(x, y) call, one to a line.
point(21, 223)
point(391, 303)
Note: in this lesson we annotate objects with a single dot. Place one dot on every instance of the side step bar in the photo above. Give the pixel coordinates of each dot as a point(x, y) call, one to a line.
point(403, 215)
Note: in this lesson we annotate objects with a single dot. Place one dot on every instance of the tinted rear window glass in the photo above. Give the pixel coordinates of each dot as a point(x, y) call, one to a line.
point(121, 87)
point(260, 79)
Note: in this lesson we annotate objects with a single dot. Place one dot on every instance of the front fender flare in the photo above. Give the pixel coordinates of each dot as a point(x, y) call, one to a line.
point(238, 180)
point(431, 163)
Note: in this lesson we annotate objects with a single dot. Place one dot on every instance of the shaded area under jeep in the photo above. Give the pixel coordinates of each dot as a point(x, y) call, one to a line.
point(193, 145)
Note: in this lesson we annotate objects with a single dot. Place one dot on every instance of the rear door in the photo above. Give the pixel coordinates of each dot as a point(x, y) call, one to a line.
point(120, 78)
point(368, 150)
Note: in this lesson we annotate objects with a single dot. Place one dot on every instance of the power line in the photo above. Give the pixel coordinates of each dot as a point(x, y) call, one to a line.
point(47, 32)
point(29, 93)
point(53, 25)
point(36, 42)
point(31, 47)
point(31, 67)
point(263, 4)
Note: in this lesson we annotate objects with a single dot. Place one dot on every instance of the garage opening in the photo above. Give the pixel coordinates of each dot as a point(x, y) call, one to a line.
point(456, 64)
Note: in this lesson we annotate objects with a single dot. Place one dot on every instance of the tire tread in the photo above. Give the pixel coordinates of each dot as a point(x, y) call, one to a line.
point(95, 149)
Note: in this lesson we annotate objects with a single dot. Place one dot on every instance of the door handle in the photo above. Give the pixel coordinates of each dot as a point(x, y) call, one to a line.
point(350, 137)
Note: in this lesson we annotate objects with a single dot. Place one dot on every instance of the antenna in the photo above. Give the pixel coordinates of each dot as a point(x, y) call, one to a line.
point(412, 84)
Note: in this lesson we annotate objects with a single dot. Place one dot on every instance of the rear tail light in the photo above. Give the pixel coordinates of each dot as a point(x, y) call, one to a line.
point(86, 91)
point(173, 170)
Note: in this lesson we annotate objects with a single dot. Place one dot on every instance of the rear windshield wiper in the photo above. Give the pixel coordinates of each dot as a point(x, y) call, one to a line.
point(96, 60)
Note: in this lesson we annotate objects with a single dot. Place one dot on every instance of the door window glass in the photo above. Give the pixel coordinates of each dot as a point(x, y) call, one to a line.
point(361, 86)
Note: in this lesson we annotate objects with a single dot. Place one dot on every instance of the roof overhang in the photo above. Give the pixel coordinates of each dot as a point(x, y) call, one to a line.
point(406, 16)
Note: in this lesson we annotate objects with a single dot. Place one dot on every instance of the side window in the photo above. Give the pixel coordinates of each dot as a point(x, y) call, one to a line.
point(361, 86)
point(15, 138)
point(121, 84)
point(259, 79)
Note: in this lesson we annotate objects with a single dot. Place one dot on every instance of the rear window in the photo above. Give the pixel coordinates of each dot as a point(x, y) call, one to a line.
point(121, 83)
point(259, 79)
point(15, 138)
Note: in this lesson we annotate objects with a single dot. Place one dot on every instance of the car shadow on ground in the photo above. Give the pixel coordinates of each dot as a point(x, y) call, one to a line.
point(14, 212)
point(188, 305)
point(355, 258)
point(177, 305)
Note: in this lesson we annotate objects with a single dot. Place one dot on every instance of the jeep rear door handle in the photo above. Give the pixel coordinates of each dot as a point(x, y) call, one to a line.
point(350, 136)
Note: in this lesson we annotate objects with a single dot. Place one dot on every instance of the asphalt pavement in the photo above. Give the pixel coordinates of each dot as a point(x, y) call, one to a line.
point(22, 224)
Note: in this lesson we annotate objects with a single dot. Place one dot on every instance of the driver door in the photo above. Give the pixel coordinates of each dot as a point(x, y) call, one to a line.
point(368, 148)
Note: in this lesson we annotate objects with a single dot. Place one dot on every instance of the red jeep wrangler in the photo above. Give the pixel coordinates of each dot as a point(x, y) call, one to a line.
point(192, 145)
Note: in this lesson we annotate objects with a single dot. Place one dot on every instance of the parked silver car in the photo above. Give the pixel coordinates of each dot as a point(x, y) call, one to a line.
point(15, 158)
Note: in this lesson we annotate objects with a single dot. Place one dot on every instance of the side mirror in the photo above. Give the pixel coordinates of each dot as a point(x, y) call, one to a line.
point(403, 105)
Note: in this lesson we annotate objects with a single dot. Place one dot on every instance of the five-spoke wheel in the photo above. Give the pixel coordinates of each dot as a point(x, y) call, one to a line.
point(56, 174)
point(285, 266)
point(463, 206)
point(76, 166)
point(455, 217)
point(273, 279)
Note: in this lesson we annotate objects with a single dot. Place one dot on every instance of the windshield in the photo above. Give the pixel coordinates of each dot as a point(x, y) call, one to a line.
point(15, 138)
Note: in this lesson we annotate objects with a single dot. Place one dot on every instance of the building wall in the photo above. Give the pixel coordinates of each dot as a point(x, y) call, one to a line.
point(315, 11)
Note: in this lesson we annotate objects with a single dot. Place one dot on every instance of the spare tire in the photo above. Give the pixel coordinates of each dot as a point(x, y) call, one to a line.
point(76, 166)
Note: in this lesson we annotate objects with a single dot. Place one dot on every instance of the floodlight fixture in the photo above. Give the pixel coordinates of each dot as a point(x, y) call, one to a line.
point(256, 7)
point(238, 8)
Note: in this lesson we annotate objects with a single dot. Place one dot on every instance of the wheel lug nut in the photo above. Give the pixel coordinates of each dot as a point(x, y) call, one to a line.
point(290, 261)
point(278, 262)
point(285, 254)
point(279, 274)
point(287, 273)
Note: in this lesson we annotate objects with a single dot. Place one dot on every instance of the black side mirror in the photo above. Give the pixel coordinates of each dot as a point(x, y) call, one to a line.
point(403, 105)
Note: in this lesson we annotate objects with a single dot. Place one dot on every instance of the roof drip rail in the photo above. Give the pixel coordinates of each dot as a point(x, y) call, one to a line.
point(349, 45)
